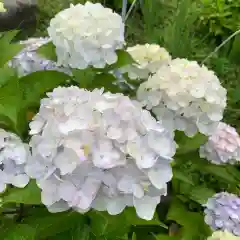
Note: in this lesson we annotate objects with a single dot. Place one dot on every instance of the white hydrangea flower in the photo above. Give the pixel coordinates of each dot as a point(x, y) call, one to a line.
point(99, 150)
point(87, 35)
point(13, 157)
point(28, 61)
point(223, 146)
point(148, 57)
point(186, 96)
point(223, 235)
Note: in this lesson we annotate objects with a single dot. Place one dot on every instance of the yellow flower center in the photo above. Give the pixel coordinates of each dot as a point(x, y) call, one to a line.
point(86, 150)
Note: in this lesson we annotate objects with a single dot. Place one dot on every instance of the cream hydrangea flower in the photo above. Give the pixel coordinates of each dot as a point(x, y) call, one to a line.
point(28, 60)
point(148, 57)
point(13, 157)
point(223, 146)
point(87, 35)
point(186, 96)
point(223, 235)
point(2, 9)
point(99, 150)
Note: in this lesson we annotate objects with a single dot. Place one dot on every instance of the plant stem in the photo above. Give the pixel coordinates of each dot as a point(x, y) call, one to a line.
point(221, 45)
point(124, 8)
point(130, 10)
point(20, 213)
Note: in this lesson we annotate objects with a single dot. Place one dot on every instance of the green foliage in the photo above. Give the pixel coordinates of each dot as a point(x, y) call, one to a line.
point(48, 51)
point(124, 58)
point(179, 32)
point(192, 223)
point(189, 144)
point(29, 195)
point(44, 226)
point(220, 16)
point(8, 49)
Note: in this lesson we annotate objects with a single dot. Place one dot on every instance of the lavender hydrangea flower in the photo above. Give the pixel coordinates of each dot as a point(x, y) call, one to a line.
point(223, 146)
point(28, 60)
point(223, 212)
point(102, 151)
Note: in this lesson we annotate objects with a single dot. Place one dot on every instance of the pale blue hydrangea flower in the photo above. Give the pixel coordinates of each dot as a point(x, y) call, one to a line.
point(28, 60)
point(99, 150)
point(222, 212)
point(13, 157)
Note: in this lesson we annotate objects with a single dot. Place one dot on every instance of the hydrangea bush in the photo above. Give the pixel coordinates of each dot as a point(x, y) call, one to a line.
point(101, 140)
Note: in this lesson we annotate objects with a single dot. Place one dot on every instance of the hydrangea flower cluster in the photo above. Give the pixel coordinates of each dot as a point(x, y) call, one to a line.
point(223, 212)
point(13, 157)
point(225, 235)
point(186, 96)
point(28, 61)
point(148, 58)
point(99, 150)
point(87, 35)
point(223, 146)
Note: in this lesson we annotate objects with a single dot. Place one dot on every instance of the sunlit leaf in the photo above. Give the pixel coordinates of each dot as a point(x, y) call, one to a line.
point(124, 58)
point(10, 103)
point(7, 49)
point(35, 85)
point(189, 144)
point(84, 77)
point(6, 73)
point(48, 51)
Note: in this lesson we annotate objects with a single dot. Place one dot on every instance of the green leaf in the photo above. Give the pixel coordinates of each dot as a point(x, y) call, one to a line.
point(48, 51)
point(181, 175)
point(235, 95)
point(31, 194)
point(6, 73)
point(35, 85)
point(134, 236)
point(234, 172)
point(124, 58)
point(10, 103)
point(165, 237)
point(201, 194)
point(103, 224)
point(220, 172)
point(52, 224)
point(84, 77)
point(193, 225)
point(7, 49)
point(106, 81)
point(42, 225)
point(8, 36)
point(20, 232)
point(189, 144)
point(81, 232)
point(133, 219)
